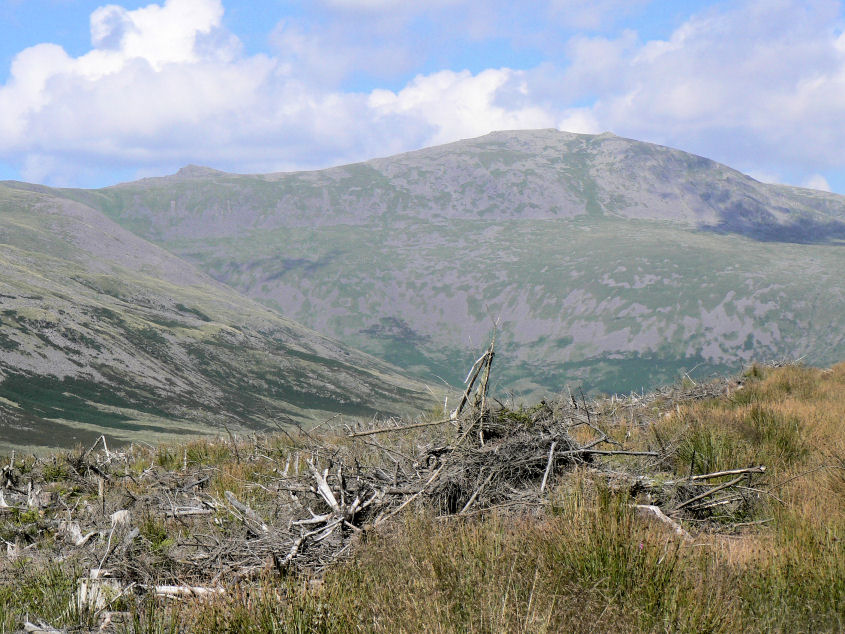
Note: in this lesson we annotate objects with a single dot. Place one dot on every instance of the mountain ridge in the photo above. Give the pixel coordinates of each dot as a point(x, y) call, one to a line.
point(102, 332)
point(606, 261)
point(681, 186)
point(610, 261)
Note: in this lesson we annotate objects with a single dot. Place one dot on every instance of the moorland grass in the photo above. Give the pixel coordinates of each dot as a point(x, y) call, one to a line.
point(583, 561)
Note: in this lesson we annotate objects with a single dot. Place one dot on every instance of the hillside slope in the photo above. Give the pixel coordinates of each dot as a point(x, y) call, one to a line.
point(607, 260)
point(102, 332)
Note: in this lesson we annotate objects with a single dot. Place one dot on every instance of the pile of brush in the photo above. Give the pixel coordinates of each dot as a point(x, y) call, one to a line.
point(168, 532)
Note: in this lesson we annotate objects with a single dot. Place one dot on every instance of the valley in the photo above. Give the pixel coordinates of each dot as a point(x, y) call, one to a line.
point(192, 303)
point(609, 262)
point(101, 332)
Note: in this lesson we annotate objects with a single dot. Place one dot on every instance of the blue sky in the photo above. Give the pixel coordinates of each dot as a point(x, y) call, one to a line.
point(92, 94)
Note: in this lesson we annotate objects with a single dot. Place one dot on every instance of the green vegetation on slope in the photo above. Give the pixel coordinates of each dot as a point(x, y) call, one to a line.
point(615, 263)
point(615, 304)
point(104, 333)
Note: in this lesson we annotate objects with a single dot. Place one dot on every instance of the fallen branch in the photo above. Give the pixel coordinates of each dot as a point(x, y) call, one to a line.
point(602, 452)
point(387, 430)
point(654, 511)
point(247, 512)
point(477, 491)
point(383, 518)
point(548, 466)
point(188, 511)
point(323, 488)
point(186, 591)
point(710, 492)
point(719, 474)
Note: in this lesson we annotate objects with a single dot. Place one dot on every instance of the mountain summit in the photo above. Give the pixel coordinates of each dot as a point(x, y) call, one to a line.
point(603, 261)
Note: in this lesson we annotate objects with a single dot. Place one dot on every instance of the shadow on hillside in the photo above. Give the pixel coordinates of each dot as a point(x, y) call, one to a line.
point(755, 222)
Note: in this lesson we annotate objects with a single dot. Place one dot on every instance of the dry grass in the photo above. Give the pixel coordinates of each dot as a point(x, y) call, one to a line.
point(584, 561)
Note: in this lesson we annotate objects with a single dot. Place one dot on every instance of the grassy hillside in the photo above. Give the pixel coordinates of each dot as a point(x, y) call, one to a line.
point(102, 332)
point(609, 261)
point(616, 304)
point(755, 555)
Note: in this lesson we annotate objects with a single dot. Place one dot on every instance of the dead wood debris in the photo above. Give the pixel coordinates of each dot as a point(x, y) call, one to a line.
point(172, 533)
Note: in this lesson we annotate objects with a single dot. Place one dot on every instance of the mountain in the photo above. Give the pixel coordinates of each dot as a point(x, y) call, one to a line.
point(102, 332)
point(605, 261)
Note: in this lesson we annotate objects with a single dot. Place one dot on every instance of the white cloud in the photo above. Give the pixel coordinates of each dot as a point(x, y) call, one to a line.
point(460, 105)
point(49, 93)
point(159, 34)
point(758, 86)
point(166, 85)
point(817, 181)
point(580, 121)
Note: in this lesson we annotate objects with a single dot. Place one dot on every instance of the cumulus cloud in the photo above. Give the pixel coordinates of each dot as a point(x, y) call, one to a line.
point(157, 34)
point(134, 77)
point(758, 85)
point(459, 105)
point(166, 85)
point(817, 181)
point(162, 83)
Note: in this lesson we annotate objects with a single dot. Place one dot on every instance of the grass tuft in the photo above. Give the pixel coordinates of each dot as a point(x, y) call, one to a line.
point(582, 560)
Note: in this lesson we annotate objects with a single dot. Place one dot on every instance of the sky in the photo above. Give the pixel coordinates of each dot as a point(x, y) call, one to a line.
point(92, 94)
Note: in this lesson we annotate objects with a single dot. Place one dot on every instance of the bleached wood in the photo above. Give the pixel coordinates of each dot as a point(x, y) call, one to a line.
point(472, 499)
point(323, 488)
point(651, 509)
point(718, 474)
point(187, 591)
point(247, 512)
point(548, 466)
point(710, 492)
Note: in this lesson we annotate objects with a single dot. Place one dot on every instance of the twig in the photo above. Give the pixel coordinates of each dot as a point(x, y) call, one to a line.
point(387, 450)
point(387, 430)
point(247, 512)
point(718, 474)
point(548, 466)
point(720, 502)
point(383, 518)
point(710, 492)
point(802, 474)
point(328, 420)
point(477, 491)
point(602, 452)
